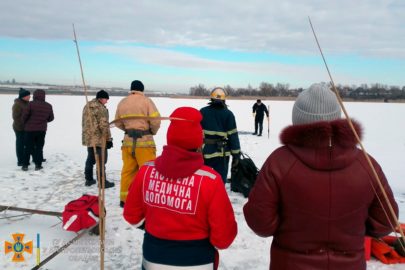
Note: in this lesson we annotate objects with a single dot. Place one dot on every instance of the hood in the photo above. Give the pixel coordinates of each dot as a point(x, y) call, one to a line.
point(176, 162)
point(323, 145)
point(39, 95)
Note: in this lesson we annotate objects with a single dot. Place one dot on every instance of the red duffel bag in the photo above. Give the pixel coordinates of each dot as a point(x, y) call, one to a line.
point(81, 213)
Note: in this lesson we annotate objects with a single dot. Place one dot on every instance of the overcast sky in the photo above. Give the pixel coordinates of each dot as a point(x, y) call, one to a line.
point(175, 44)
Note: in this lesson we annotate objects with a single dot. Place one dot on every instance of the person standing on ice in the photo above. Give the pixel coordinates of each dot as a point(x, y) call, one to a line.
point(221, 135)
point(19, 105)
point(182, 203)
point(138, 145)
point(36, 117)
point(315, 194)
point(96, 129)
point(259, 109)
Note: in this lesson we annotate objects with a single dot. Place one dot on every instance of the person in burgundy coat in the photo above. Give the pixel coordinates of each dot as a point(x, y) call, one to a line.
point(36, 117)
point(315, 194)
point(182, 203)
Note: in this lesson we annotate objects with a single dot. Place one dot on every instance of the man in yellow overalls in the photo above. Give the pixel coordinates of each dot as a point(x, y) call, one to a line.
point(137, 113)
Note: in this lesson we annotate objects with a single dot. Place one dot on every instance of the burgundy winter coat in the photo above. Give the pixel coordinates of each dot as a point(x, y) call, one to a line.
point(38, 113)
point(315, 196)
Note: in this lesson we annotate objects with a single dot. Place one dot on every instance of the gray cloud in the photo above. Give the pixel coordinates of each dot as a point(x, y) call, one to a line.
point(371, 28)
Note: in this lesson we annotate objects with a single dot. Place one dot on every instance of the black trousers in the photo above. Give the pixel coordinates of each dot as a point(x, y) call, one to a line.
point(91, 160)
point(19, 146)
point(259, 124)
point(34, 143)
point(220, 165)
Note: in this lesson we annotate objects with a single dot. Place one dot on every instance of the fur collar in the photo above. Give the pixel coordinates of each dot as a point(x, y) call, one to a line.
point(322, 134)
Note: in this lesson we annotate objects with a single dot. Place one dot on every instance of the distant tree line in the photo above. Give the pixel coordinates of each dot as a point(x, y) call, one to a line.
point(364, 91)
point(13, 81)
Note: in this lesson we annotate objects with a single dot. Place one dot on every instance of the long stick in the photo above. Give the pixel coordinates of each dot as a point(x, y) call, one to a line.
point(391, 210)
point(62, 248)
point(101, 190)
point(96, 156)
point(123, 119)
point(32, 211)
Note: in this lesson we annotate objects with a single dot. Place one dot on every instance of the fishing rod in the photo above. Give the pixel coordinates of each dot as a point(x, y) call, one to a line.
point(100, 171)
point(391, 210)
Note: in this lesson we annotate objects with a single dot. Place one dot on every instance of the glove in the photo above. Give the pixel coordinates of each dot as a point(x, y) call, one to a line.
point(109, 144)
point(235, 163)
point(398, 247)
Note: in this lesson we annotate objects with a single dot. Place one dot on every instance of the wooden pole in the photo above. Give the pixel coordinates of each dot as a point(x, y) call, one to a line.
point(374, 172)
point(32, 211)
point(99, 167)
point(101, 196)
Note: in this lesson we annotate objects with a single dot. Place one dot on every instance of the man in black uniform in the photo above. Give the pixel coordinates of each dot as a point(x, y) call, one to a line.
point(258, 112)
point(221, 138)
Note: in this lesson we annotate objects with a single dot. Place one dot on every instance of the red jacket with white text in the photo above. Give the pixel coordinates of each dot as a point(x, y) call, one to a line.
point(185, 207)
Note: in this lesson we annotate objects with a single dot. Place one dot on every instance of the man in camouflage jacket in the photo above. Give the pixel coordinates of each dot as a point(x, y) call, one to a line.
point(96, 133)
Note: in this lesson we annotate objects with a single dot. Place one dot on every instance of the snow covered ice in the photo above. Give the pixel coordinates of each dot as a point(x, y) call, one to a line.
point(62, 180)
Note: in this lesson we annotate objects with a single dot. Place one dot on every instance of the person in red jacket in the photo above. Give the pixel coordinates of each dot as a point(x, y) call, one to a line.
point(315, 195)
point(182, 203)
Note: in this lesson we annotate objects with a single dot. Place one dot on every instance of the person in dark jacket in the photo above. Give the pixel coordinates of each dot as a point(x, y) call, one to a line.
point(19, 105)
point(259, 109)
point(221, 135)
point(36, 117)
point(315, 195)
point(183, 204)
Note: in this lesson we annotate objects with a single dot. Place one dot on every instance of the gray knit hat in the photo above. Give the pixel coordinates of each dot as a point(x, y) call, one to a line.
point(317, 103)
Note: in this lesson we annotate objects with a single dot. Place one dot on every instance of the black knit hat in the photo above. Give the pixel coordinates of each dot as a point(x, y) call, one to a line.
point(137, 86)
point(102, 94)
point(23, 93)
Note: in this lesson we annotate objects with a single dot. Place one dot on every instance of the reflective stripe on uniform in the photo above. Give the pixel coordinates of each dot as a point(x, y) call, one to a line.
point(217, 154)
point(220, 154)
point(230, 132)
point(130, 115)
point(205, 173)
point(234, 152)
point(155, 114)
point(149, 163)
point(219, 133)
point(139, 143)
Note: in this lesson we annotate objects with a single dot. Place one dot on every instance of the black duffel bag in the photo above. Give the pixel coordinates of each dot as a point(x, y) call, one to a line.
point(243, 175)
